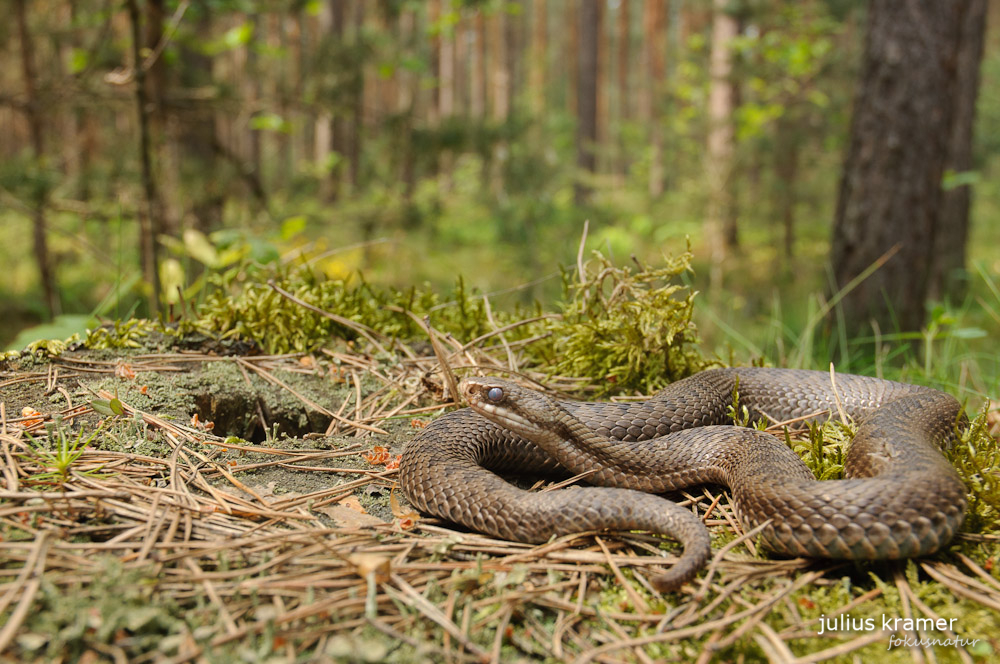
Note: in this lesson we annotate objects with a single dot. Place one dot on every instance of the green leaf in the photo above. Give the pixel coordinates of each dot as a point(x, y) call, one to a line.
point(292, 226)
point(953, 180)
point(102, 406)
point(270, 122)
point(414, 63)
point(62, 327)
point(237, 36)
point(200, 248)
point(78, 60)
point(171, 279)
point(968, 333)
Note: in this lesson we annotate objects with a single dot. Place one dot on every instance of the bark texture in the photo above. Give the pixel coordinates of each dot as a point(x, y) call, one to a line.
point(720, 222)
point(586, 103)
point(890, 192)
point(33, 112)
point(948, 276)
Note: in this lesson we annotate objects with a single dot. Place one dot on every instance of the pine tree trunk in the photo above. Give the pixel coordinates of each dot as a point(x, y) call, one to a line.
point(33, 110)
point(586, 128)
point(199, 142)
point(571, 21)
point(624, 97)
point(500, 76)
point(720, 229)
point(652, 44)
point(539, 59)
point(355, 132)
point(477, 95)
point(948, 275)
point(332, 126)
point(163, 161)
point(786, 166)
point(461, 67)
point(888, 210)
point(150, 223)
point(253, 95)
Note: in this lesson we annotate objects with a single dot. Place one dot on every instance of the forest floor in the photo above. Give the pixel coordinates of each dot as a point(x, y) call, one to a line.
point(177, 523)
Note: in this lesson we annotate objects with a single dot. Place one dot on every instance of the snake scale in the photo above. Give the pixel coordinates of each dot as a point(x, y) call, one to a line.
point(901, 497)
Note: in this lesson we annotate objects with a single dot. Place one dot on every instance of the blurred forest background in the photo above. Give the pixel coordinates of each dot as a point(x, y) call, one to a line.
point(146, 141)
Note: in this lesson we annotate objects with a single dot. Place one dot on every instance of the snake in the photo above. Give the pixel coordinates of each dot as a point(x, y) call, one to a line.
point(900, 497)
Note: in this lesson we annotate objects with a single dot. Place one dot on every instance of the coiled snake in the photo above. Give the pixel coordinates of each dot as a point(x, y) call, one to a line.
point(902, 498)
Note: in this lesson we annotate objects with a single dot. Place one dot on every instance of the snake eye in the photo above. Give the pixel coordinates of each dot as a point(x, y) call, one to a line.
point(494, 394)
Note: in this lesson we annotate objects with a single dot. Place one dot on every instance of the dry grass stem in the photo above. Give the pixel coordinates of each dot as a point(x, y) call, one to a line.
point(230, 562)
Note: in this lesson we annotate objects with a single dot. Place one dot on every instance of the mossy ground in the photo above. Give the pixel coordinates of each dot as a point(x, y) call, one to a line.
point(178, 543)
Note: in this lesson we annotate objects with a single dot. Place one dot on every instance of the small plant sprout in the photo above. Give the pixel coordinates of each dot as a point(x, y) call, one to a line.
point(58, 452)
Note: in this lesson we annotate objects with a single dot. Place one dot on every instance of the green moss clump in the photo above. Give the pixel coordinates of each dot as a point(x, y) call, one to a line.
point(620, 329)
point(624, 330)
point(118, 606)
point(976, 457)
point(248, 308)
point(120, 334)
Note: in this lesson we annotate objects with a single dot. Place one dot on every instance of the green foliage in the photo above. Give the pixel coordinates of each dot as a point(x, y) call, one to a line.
point(625, 330)
point(825, 448)
point(57, 453)
point(65, 326)
point(740, 414)
point(244, 305)
point(119, 334)
point(976, 456)
point(117, 607)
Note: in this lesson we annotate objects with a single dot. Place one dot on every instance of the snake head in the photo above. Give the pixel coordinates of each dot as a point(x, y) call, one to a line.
point(525, 412)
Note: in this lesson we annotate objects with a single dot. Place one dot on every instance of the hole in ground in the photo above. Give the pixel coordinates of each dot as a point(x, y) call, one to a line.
point(237, 413)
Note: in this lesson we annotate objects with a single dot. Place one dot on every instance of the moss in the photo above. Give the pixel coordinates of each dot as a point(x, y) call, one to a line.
point(626, 330)
point(118, 607)
point(976, 456)
point(247, 307)
point(120, 334)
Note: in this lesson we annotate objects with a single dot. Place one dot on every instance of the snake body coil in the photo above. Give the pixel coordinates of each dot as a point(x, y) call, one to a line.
point(901, 499)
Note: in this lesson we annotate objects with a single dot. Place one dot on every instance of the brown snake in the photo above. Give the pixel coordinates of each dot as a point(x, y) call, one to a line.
point(902, 498)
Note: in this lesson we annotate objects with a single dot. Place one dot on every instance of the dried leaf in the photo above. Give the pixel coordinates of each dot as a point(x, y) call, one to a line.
point(348, 517)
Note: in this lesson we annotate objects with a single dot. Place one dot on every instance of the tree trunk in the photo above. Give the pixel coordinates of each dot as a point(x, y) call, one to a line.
point(720, 228)
point(446, 73)
point(433, 32)
point(33, 110)
point(948, 276)
point(332, 125)
point(624, 97)
point(199, 142)
point(500, 76)
point(477, 94)
point(786, 167)
point(500, 96)
point(407, 104)
point(446, 99)
point(603, 94)
point(539, 60)
point(890, 192)
point(571, 20)
point(149, 218)
point(354, 133)
point(254, 91)
point(461, 67)
point(69, 114)
point(164, 161)
point(652, 44)
point(586, 107)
